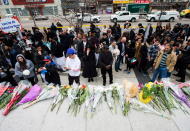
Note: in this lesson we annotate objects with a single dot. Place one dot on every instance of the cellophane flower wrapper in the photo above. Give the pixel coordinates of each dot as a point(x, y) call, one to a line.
point(97, 97)
point(3, 88)
point(109, 98)
point(57, 99)
point(121, 93)
point(186, 84)
point(177, 91)
point(48, 92)
point(18, 93)
point(33, 93)
point(72, 93)
point(6, 96)
point(137, 105)
point(90, 97)
point(81, 96)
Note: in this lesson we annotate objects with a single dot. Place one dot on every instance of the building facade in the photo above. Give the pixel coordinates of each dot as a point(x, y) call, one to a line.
point(27, 8)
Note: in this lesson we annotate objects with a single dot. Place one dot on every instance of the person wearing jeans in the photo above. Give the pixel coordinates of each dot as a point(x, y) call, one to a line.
point(122, 49)
point(164, 63)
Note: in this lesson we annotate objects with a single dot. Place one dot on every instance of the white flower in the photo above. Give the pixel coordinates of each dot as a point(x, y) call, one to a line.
point(26, 72)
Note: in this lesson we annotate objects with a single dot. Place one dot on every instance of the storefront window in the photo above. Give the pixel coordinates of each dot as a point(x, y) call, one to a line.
point(8, 11)
point(14, 11)
point(50, 10)
point(55, 10)
point(17, 11)
point(23, 12)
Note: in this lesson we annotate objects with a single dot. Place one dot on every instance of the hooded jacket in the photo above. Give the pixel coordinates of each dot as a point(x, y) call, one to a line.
point(19, 71)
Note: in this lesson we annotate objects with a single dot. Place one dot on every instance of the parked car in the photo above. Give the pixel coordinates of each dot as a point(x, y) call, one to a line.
point(163, 16)
point(87, 17)
point(185, 13)
point(41, 17)
point(124, 16)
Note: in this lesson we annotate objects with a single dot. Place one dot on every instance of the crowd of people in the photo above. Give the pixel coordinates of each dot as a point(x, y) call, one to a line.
point(53, 50)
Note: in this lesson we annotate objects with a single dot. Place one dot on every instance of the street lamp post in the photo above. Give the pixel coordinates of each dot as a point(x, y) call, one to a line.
point(161, 5)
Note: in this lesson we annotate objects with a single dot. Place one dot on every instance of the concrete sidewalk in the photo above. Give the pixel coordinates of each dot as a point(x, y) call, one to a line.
point(39, 117)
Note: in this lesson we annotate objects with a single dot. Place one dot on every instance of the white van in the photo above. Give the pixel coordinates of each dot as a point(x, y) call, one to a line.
point(165, 16)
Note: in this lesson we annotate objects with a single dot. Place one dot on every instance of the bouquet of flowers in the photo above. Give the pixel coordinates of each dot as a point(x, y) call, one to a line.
point(98, 93)
point(154, 93)
point(137, 105)
point(177, 92)
point(108, 98)
point(48, 92)
point(31, 95)
point(115, 96)
point(59, 98)
point(118, 94)
point(18, 93)
point(185, 88)
point(81, 96)
point(5, 94)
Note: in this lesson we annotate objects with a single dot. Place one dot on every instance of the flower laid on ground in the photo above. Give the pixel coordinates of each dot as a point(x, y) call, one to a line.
point(146, 94)
point(48, 92)
point(185, 88)
point(177, 92)
point(60, 97)
point(81, 96)
point(18, 94)
point(155, 94)
point(98, 93)
point(119, 97)
point(31, 95)
point(115, 96)
point(6, 94)
point(137, 105)
point(131, 90)
point(108, 98)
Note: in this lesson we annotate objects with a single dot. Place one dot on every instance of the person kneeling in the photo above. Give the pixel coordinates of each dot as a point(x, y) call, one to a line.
point(49, 72)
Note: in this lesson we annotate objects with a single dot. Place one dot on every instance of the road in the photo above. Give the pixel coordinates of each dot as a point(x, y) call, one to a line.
point(105, 20)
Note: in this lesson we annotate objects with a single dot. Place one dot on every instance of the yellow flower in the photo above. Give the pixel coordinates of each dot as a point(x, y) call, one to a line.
point(145, 101)
point(149, 85)
point(68, 86)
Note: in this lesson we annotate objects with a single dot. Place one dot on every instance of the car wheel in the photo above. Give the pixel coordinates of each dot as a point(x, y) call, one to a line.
point(114, 20)
point(133, 19)
point(152, 20)
point(95, 21)
point(171, 19)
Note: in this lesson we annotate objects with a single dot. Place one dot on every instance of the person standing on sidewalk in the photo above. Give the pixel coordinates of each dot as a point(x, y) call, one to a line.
point(164, 63)
point(122, 49)
point(105, 61)
point(89, 60)
point(73, 65)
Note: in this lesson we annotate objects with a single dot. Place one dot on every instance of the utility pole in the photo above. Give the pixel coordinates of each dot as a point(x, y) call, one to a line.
point(161, 5)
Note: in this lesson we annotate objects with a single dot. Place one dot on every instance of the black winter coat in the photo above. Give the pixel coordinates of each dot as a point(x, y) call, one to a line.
point(52, 75)
point(89, 65)
point(57, 49)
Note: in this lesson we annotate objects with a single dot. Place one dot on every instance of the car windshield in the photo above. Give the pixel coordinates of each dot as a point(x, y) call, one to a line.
point(118, 12)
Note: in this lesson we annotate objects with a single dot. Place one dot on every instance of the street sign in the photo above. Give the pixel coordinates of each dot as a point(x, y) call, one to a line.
point(9, 25)
point(121, 1)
